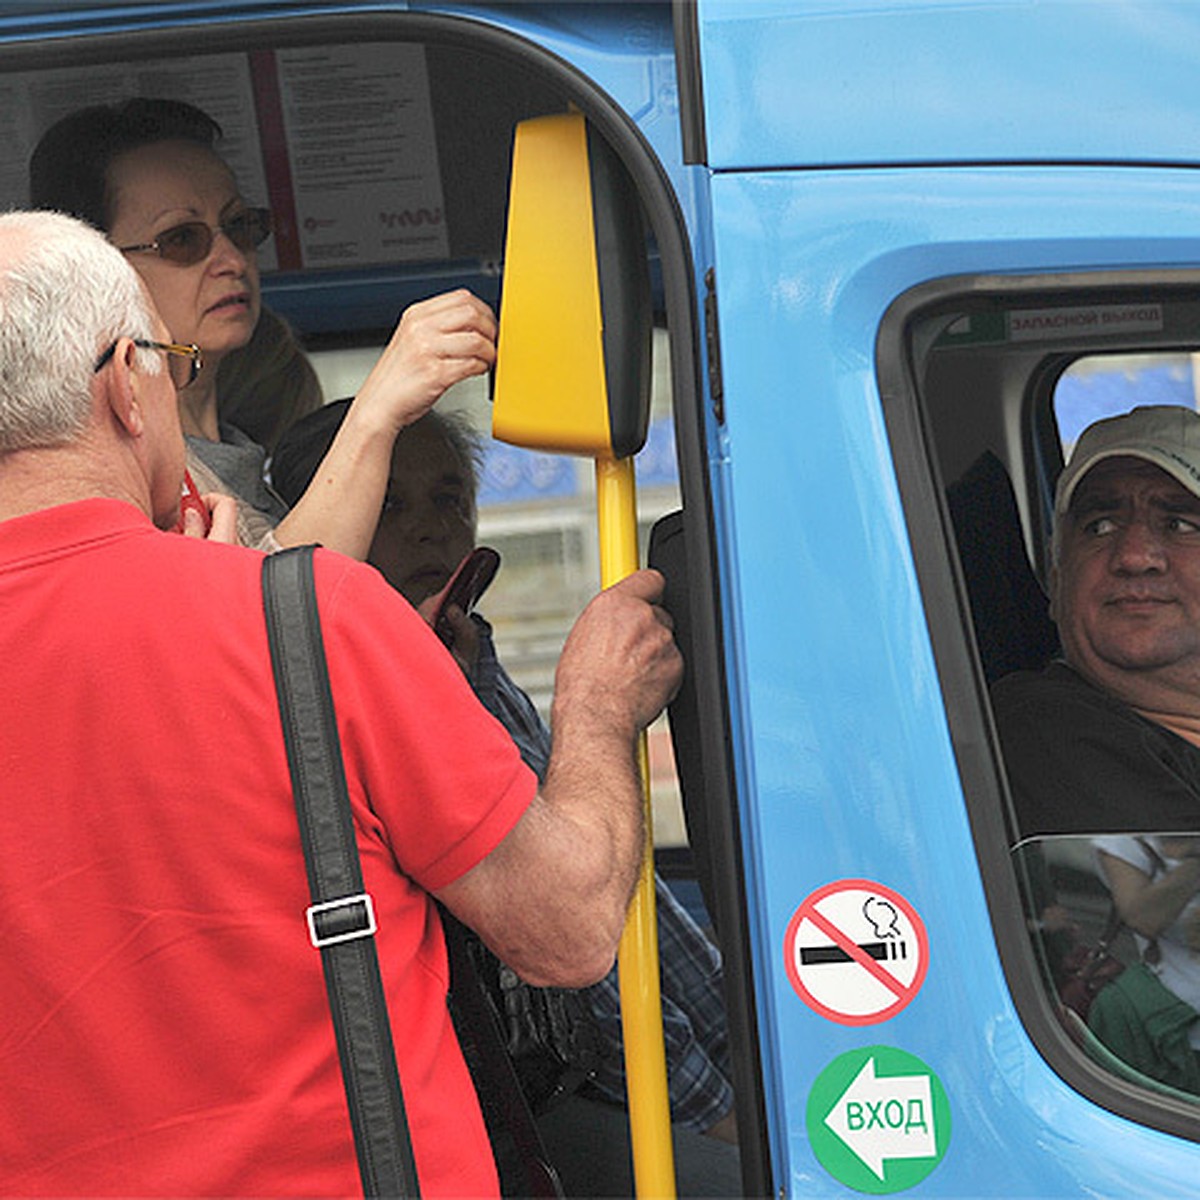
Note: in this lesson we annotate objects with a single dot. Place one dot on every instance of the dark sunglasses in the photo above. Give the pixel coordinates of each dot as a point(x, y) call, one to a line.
point(191, 241)
point(183, 360)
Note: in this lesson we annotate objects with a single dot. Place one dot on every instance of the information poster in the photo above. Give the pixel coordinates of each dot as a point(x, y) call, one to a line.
point(363, 157)
point(338, 141)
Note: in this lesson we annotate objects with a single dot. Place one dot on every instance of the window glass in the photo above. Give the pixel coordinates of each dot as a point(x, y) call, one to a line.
point(1105, 385)
point(1116, 925)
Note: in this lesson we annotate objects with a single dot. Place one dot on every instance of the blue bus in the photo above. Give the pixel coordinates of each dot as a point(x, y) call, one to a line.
point(897, 255)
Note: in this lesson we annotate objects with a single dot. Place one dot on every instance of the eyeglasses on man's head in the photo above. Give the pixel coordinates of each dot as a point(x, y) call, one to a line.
point(191, 241)
point(183, 360)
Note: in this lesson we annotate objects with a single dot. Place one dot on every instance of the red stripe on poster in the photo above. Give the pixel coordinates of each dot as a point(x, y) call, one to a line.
point(268, 107)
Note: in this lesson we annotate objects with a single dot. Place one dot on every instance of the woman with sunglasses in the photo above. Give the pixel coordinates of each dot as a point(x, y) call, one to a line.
point(146, 172)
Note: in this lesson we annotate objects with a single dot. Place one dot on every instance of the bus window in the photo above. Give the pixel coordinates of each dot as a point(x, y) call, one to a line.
point(1099, 386)
point(999, 389)
point(385, 161)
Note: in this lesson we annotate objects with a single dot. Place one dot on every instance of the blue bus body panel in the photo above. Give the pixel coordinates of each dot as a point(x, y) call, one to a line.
point(850, 773)
point(935, 81)
point(845, 768)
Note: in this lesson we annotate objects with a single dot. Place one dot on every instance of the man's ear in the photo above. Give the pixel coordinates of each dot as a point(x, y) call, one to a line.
point(124, 384)
point(1053, 581)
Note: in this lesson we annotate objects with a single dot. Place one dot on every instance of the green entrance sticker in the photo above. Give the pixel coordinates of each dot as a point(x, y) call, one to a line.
point(878, 1119)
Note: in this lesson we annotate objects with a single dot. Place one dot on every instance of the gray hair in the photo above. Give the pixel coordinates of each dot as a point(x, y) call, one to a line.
point(66, 295)
point(464, 441)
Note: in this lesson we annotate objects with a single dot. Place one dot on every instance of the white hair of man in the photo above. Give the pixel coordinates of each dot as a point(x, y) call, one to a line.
point(66, 295)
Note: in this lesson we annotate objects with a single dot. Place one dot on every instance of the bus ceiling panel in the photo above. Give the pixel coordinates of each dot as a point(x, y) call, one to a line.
point(820, 83)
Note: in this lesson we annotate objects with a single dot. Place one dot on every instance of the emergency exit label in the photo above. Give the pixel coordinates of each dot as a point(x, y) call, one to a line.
point(878, 1119)
point(856, 952)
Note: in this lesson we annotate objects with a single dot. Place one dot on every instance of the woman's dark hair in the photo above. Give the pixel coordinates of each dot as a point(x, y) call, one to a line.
point(68, 170)
point(268, 384)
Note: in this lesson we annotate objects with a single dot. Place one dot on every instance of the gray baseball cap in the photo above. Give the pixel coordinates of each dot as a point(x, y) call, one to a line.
point(1167, 435)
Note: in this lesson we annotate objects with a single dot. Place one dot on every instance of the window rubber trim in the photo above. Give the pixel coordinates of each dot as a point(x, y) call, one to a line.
point(690, 81)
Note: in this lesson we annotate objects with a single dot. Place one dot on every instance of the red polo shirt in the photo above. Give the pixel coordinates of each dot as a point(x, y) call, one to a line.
point(166, 1027)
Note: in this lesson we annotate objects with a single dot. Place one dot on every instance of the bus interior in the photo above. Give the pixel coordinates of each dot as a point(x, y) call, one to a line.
point(382, 144)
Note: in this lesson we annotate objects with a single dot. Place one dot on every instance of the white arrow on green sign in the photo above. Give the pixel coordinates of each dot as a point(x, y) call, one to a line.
point(878, 1119)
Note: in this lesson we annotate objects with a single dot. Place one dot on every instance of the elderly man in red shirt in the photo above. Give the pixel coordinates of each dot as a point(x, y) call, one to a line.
point(166, 1022)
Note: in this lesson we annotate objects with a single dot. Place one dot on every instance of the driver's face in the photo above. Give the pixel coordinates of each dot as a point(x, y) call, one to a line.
point(1126, 588)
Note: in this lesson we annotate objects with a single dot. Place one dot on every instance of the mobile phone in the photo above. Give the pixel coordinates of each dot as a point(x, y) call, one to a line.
point(469, 581)
point(191, 499)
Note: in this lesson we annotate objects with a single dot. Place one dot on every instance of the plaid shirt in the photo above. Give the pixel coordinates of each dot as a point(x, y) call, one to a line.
point(694, 1026)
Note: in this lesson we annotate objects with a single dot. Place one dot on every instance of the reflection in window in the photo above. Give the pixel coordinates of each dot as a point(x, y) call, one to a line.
point(1116, 925)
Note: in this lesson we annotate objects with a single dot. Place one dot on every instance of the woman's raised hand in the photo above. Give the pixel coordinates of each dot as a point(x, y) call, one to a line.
point(438, 342)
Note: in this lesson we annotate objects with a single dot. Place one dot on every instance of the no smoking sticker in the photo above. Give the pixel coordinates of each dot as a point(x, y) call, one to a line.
point(856, 952)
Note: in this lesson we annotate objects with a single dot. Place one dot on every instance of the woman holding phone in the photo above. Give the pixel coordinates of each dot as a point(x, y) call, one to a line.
point(147, 173)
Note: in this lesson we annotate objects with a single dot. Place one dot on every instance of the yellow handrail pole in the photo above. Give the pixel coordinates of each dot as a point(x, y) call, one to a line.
point(561, 388)
point(641, 998)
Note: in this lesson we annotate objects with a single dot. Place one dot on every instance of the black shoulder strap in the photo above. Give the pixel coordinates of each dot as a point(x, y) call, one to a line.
point(341, 919)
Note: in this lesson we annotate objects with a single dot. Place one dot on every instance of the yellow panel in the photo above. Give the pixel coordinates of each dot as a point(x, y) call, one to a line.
point(550, 388)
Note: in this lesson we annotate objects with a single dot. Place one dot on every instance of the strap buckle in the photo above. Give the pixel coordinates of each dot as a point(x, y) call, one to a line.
point(341, 920)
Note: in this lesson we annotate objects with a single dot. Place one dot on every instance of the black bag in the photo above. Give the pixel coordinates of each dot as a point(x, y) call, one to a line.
point(357, 1002)
point(1085, 969)
point(548, 1032)
point(524, 1168)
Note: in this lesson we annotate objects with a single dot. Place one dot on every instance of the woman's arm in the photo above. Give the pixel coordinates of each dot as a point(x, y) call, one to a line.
point(1149, 906)
point(437, 343)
